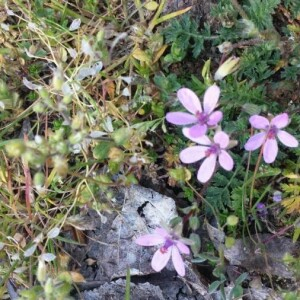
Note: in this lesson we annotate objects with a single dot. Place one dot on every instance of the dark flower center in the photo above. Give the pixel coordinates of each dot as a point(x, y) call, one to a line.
point(272, 132)
point(167, 244)
point(202, 117)
point(213, 149)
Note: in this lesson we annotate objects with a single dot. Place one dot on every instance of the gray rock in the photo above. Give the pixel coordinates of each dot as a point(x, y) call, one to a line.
point(262, 253)
point(112, 248)
point(116, 291)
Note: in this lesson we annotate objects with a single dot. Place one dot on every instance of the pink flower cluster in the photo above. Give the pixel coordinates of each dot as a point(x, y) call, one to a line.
point(213, 151)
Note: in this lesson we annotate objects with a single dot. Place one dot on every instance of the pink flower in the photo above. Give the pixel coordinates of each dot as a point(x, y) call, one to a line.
point(212, 151)
point(172, 245)
point(267, 137)
point(202, 119)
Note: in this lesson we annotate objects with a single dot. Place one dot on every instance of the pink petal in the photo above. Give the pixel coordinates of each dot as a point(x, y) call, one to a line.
point(226, 161)
point(180, 118)
point(177, 261)
point(281, 120)
point(270, 150)
point(259, 122)
point(189, 100)
point(183, 248)
point(287, 139)
point(211, 98)
point(222, 139)
point(149, 240)
point(198, 130)
point(160, 259)
point(215, 118)
point(207, 168)
point(162, 232)
point(192, 154)
point(255, 141)
point(202, 140)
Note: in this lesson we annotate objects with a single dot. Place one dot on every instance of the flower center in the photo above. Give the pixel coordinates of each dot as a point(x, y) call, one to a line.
point(202, 117)
point(272, 132)
point(165, 247)
point(213, 149)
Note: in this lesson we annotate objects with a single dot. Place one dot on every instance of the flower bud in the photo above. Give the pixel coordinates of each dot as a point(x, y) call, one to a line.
point(228, 67)
point(48, 288)
point(225, 47)
point(39, 179)
point(15, 148)
point(43, 93)
point(116, 155)
point(232, 220)
point(76, 138)
point(41, 271)
point(57, 80)
point(60, 165)
point(62, 147)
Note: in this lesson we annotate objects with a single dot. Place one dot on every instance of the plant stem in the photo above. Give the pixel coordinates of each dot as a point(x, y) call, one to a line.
point(240, 9)
point(254, 175)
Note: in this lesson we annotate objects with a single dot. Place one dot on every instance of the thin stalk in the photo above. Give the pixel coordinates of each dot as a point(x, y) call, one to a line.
point(254, 175)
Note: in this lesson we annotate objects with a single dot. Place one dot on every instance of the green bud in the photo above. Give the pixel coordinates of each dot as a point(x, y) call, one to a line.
point(77, 122)
point(39, 179)
point(229, 241)
point(232, 220)
point(15, 148)
point(39, 108)
point(48, 288)
point(58, 135)
point(67, 99)
point(43, 93)
point(49, 102)
point(57, 80)
point(41, 271)
point(62, 147)
point(206, 73)
point(33, 157)
point(76, 138)
point(61, 165)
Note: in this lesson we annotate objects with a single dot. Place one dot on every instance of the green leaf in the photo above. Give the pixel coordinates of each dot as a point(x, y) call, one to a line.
point(194, 222)
point(214, 286)
point(236, 292)
point(101, 150)
point(241, 278)
point(296, 234)
point(208, 257)
point(122, 135)
point(196, 246)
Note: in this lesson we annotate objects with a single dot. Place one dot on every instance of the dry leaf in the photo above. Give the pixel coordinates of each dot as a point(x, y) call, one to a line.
point(77, 277)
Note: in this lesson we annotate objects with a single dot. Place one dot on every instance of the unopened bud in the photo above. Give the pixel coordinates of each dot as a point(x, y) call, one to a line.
point(57, 80)
point(39, 179)
point(15, 148)
point(48, 288)
point(228, 67)
point(225, 47)
point(41, 271)
point(116, 155)
point(60, 165)
point(232, 220)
